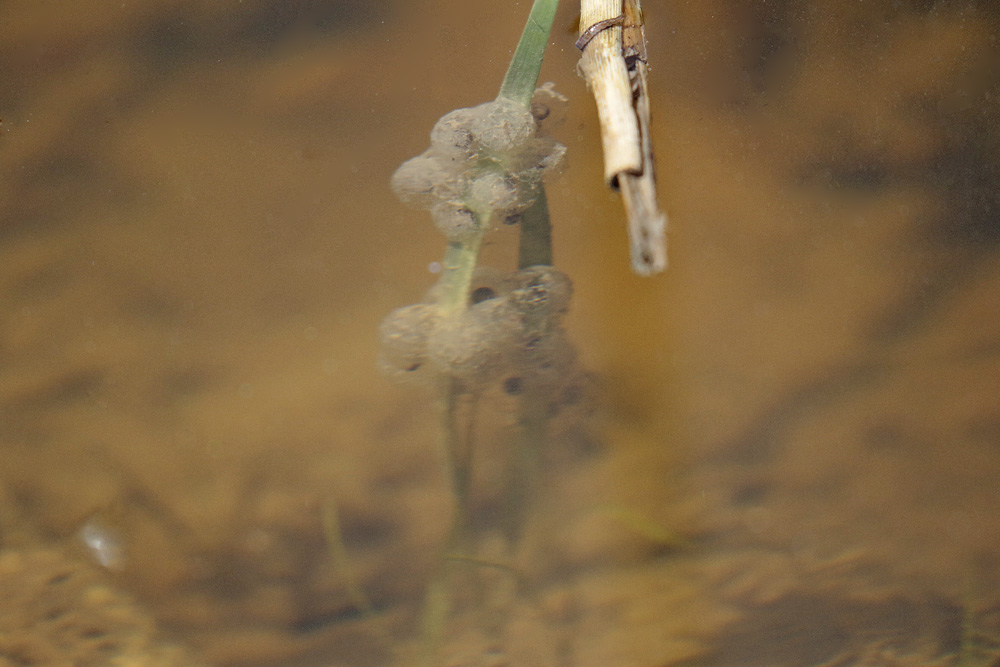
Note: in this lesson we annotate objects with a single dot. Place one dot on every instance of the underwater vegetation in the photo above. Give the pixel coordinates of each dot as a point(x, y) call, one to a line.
point(485, 165)
point(477, 327)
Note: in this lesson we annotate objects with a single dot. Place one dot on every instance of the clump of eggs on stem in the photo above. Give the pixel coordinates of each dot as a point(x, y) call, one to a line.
point(485, 165)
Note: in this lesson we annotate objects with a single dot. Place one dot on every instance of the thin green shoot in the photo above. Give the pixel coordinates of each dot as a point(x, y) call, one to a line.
point(460, 261)
point(535, 244)
point(341, 561)
point(522, 76)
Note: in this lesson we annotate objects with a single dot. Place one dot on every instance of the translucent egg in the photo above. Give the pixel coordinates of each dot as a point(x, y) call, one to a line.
point(404, 334)
point(509, 216)
point(453, 190)
point(549, 107)
point(493, 190)
point(541, 158)
point(475, 345)
point(503, 126)
point(417, 181)
point(452, 135)
point(456, 221)
point(527, 193)
point(487, 283)
point(540, 292)
point(550, 156)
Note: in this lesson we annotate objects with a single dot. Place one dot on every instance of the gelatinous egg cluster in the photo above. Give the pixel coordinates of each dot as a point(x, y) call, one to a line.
point(512, 328)
point(484, 163)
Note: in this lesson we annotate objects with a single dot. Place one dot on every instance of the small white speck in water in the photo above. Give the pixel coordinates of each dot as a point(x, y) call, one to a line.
point(103, 543)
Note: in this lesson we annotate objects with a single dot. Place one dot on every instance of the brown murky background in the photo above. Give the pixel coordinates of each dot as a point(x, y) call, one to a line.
point(795, 445)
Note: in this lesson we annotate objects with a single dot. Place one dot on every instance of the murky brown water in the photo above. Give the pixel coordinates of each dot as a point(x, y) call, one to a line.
point(794, 447)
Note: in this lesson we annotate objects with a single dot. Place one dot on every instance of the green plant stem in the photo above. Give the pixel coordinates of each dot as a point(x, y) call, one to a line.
point(535, 243)
point(456, 273)
point(459, 264)
point(341, 561)
point(459, 427)
point(519, 85)
point(458, 431)
point(522, 76)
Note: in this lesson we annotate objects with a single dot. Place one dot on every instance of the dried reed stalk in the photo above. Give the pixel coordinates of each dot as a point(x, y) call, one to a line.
point(613, 42)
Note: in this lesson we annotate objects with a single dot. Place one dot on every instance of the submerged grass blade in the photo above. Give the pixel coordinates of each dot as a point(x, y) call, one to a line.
point(341, 561)
point(535, 245)
point(522, 75)
point(519, 85)
point(460, 261)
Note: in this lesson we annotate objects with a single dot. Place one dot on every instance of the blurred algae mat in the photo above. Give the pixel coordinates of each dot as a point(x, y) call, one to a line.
point(791, 451)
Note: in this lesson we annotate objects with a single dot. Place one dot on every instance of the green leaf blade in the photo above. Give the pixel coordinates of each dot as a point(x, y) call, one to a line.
point(522, 76)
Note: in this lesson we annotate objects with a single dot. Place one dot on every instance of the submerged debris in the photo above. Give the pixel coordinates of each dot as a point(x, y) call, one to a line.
point(59, 611)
